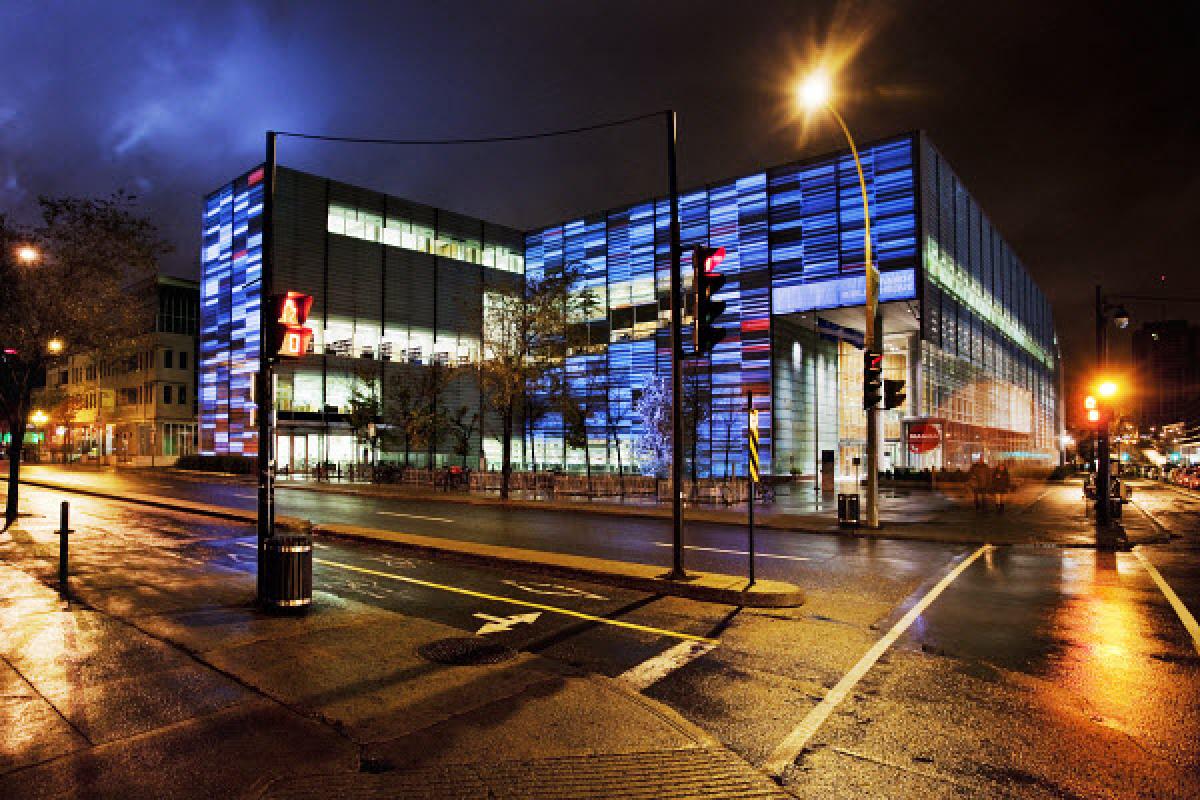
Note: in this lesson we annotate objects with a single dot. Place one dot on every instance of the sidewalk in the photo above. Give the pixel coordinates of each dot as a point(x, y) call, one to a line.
point(160, 679)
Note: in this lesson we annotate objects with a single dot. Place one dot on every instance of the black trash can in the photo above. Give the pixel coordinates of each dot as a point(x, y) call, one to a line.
point(848, 510)
point(287, 572)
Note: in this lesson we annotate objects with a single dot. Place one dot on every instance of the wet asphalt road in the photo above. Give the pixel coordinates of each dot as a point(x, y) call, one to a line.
point(1037, 672)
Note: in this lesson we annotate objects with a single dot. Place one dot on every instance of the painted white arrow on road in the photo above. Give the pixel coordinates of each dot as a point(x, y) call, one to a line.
point(500, 624)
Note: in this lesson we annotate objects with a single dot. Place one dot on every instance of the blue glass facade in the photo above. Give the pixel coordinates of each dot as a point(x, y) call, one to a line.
point(793, 238)
point(231, 269)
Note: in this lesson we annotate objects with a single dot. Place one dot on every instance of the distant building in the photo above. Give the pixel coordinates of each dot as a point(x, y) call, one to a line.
point(1166, 361)
point(137, 406)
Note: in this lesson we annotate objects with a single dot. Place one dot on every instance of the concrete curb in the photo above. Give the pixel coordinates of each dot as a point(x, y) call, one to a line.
point(703, 586)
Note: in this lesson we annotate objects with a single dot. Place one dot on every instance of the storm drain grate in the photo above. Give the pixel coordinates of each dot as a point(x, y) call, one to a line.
point(465, 651)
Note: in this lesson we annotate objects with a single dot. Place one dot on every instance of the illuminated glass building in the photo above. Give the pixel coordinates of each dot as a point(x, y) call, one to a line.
point(402, 284)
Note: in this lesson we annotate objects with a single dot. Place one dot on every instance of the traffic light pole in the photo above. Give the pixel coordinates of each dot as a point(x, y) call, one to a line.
point(1103, 477)
point(677, 572)
point(264, 400)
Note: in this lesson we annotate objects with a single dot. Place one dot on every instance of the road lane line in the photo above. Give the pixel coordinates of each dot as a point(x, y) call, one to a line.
point(513, 601)
point(413, 516)
point(735, 552)
point(651, 671)
point(1185, 616)
point(787, 751)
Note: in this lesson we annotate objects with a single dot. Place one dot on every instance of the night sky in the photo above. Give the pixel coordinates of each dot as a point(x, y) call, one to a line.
point(1073, 123)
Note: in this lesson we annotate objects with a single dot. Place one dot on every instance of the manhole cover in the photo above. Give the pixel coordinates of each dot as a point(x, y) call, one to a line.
point(466, 651)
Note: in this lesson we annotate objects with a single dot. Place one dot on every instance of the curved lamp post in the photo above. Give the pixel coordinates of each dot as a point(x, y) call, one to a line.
point(815, 93)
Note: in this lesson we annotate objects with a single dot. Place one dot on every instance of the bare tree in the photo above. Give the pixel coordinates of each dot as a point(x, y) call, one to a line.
point(72, 287)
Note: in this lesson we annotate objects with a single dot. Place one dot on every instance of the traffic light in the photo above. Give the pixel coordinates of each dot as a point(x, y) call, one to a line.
point(872, 379)
point(893, 394)
point(287, 336)
point(706, 282)
point(1097, 415)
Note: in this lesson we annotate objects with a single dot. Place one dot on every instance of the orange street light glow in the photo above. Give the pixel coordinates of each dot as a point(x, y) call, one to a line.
point(1107, 389)
point(28, 255)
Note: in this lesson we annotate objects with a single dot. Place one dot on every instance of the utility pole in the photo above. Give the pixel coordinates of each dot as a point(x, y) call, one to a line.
point(265, 401)
point(677, 572)
point(1102, 467)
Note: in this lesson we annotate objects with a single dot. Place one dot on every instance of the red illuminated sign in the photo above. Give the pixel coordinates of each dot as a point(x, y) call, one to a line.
point(290, 337)
point(923, 437)
point(714, 260)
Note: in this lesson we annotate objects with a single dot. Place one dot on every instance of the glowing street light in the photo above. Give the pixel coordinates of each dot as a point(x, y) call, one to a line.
point(1107, 388)
point(54, 346)
point(39, 418)
point(814, 91)
point(27, 254)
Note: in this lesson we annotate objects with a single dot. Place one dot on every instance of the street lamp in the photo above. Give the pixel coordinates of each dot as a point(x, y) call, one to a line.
point(39, 418)
point(54, 346)
point(28, 254)
point(815, 93)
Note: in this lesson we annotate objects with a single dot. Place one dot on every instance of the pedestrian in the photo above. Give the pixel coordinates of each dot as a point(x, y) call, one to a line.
point(979, 479)
point(1001, 485)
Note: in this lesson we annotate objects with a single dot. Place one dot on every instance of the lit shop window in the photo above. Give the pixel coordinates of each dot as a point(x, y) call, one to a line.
point(397, 232)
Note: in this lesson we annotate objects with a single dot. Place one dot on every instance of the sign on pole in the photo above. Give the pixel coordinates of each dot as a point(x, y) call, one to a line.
point(754, 445)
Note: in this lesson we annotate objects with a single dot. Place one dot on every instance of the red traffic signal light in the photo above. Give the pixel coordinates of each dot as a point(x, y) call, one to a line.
point(706, 282)
point(287, 336)
point(872, 379)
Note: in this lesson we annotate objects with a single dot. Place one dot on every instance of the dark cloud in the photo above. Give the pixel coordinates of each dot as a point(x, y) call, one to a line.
point(1074, 123)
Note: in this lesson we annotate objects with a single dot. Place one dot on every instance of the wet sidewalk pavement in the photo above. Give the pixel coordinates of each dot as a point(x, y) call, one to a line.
point(160, 679)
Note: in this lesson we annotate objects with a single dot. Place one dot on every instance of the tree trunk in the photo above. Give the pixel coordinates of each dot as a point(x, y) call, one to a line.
point(506, 427)
point(14, 472)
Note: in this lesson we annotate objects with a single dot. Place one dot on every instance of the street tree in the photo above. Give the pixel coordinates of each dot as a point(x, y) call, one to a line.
point(364, 408)
point(427, 422)
point(397, 411)
point(70, 284)
point(463, 425)
point(524, 329)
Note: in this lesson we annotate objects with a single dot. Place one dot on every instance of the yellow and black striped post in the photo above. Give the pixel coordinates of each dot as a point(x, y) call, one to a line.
point(752, 450)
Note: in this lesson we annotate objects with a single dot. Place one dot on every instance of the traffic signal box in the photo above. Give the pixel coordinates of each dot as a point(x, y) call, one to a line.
point(706, 282)
point(1098, 416)
point(893, 393)
point(872, 379)
point(289, 338)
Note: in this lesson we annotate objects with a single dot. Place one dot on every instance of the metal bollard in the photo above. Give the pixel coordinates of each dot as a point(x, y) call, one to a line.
point(63, 532)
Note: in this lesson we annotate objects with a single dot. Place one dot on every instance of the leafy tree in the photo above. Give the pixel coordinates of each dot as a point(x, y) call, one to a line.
point(427, 422)
point(575, 429)
point(92, 254)
point(364, 408)
point(397, 412)
point(524, 331)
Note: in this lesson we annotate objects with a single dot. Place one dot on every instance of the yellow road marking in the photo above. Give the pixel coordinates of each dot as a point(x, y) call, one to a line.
point(1185, 616)
point(785, 754)
point(526, 603)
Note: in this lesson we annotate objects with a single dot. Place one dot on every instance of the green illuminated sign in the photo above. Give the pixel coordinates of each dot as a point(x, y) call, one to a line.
point(966, 290)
